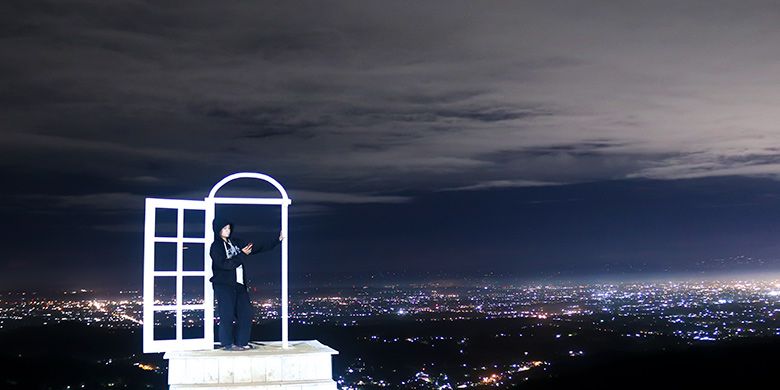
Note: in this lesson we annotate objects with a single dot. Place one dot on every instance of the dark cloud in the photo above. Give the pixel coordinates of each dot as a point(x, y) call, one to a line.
point(209, 84)
point(376, 102)
point(366, 88)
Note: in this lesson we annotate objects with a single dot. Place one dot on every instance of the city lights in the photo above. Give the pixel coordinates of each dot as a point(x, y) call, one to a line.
point(692, 311)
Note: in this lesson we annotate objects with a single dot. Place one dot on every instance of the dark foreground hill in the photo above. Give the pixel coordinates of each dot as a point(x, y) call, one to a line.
point(746, 364)
point(55, 357)
point(76, 356)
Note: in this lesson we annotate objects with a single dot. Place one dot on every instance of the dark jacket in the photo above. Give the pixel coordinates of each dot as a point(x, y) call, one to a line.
point(224, 268)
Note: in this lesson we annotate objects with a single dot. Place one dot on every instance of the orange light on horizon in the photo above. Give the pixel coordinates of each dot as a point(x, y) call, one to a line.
point(493, 378)
point(146, 367)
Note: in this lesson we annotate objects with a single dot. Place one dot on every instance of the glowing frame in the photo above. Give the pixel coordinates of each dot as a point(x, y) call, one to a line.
point(208, 205)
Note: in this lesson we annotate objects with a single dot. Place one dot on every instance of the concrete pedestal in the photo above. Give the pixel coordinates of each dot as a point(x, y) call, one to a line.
point(305, 365)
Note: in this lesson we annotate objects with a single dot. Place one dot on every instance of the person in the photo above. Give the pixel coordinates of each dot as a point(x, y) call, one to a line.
point(228, 256)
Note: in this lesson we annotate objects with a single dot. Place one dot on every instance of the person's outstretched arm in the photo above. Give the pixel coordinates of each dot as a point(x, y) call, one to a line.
point(267, 246)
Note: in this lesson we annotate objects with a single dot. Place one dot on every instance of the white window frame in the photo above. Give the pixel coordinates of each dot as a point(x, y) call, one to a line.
point(150, 306)
point(209, 206)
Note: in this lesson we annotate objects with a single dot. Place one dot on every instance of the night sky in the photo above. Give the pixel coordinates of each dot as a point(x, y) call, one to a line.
point(526, 139)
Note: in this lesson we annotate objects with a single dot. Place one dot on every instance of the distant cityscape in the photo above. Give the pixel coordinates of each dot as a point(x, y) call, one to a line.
point(567, 316)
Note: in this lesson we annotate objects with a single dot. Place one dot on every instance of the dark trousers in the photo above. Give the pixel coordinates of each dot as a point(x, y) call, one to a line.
point(235, 314)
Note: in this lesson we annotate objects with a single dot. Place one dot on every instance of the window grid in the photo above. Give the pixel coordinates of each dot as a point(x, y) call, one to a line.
point(178, 307)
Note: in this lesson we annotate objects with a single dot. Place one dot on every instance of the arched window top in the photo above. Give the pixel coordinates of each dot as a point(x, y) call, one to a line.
point(248, 175)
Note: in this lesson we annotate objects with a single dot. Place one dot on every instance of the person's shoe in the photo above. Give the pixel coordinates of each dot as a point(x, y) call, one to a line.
point(246, 347)
point(232, 348)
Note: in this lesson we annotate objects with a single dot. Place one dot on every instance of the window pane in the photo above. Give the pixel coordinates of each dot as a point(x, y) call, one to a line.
point(193, 324)
point(165, 222)
point(193, 257)
point(165, 290)
point(165, 325)
point(194, 221)
point(165, 256)
point(192, 290)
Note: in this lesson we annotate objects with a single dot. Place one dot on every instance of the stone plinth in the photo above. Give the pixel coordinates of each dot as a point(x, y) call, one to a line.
point(305, 365)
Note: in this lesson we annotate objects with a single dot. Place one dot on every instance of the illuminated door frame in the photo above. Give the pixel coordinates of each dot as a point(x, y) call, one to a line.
point(208, 205)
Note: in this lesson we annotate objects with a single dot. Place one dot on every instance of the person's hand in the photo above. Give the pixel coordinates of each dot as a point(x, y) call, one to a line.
point(247, 249)
point(281, 237)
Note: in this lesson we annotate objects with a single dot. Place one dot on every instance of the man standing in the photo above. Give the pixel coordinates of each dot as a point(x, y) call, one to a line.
point(233, 306)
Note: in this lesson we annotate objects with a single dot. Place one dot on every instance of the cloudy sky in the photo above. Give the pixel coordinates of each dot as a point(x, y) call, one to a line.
point(513, 137)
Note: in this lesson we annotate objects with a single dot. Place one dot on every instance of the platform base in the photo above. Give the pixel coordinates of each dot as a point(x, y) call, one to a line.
point(305, 365)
